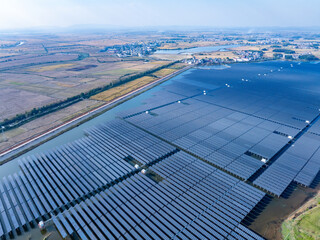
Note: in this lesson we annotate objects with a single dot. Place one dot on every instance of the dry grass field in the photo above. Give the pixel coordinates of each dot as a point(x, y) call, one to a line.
point(51, 67)
point(116, 92)
point(163, 72)
point(218, 54)
point(14, 101)
point(249, 48)
point(132, 67)
point(51, 120)
point(171, 57)
point(315, 52)
point(46, 122)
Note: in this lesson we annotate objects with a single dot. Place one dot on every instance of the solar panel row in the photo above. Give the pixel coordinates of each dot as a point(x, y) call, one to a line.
point(194, 200)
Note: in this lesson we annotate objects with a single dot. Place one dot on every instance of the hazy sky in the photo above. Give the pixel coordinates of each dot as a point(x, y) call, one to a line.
point(217, 13)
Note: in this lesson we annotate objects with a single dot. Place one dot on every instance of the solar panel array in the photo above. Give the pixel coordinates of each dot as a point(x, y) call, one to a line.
point(94, 188)
point(300, 163)
point(220, 136)
point(315, 128)
point(263, 105)
point(164, 170)
point(173, 93)
point(52, 181)
point(193, 200)
point(235, 132)
point(158, 100)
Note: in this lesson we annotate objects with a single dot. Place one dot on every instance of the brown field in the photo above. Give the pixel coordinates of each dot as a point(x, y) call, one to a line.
point(17, 63)
point(223, 55)
point(81, 68)
point(116, 92)
point(14, 101)
point(249, 48)
point(164, 72)
point(51, 67)
point(124, 68)
point(46, 122)
point(66, 85)
point(2, 42)
point(7, 54)
point(315, 52)
point(178, 66)
point(171, 57)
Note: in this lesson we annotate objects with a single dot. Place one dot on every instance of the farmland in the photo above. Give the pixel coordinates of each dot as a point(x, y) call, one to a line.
point(164, 72)
point(48, 69)
point(46, 122)
point(40, 74)
point(51, 67)
point(116, 92)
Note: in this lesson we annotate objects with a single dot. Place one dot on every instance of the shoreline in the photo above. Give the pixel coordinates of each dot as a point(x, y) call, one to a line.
point(291, 224)
point(76, 121)
point(305, 207)
point(270, 221)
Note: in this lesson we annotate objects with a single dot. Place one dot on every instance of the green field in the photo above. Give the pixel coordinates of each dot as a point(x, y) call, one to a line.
point(16, 83)
point(306, 226)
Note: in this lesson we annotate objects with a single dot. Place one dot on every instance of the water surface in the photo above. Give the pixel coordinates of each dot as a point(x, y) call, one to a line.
point(196, 49)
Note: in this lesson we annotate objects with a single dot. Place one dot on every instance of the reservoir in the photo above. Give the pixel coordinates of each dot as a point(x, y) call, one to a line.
point(278, 82)
point(196, 49)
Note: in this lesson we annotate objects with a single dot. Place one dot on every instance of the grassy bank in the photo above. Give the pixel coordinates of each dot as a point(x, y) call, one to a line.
point(304, 223)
